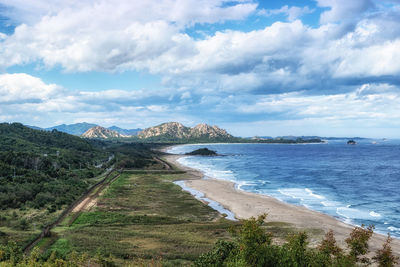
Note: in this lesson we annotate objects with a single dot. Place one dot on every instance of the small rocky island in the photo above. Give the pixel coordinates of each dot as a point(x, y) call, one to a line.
point(202, 152)
point(351, 142)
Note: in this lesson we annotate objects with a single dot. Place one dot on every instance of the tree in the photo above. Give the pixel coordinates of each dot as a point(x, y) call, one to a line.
point(358, 242)
point(253, 246)
point(384, 257)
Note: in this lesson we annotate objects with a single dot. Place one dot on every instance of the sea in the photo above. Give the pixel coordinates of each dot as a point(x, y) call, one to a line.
point(357, 184)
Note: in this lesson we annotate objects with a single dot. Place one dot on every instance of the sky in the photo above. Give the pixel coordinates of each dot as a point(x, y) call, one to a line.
point(269, 68)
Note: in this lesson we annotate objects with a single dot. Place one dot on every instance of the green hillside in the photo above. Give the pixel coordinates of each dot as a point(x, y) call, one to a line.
point(41, 172)
point(40, 167)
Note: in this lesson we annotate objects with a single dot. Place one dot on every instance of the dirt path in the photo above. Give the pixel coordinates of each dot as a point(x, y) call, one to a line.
point(90, 200)
point(76, 207)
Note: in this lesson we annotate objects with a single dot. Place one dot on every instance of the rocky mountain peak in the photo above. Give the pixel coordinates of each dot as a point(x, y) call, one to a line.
point(203, 129)
point(179, 131)
point(172, 129)
point(101, 132)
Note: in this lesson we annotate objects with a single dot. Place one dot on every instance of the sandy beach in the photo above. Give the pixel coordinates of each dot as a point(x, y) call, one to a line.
point(245, 205)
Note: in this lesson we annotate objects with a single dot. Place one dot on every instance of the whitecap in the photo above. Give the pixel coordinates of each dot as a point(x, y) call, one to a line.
point(330, 203)
point(314, 195)
point(393, 229)
point(353, 213)
point(374, 214)
point(291, 192)
point(304, 194)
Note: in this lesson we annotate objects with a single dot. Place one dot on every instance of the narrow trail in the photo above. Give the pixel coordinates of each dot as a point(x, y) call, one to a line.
point(166, 165)
point(90, 199)
point(76, 207)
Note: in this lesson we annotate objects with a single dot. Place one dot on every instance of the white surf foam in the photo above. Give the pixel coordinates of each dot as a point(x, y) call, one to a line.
point(207, 170)
point(330, 204)
point(314, 195)
point(374, 214)
point(353, 213)
point(303, 194)
point(393, 229)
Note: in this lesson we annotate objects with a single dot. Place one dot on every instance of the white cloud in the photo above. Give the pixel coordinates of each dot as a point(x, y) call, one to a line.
point(181, 12)
point(148, 36)
point(376, 60)
point(368, 102)
point(84, 36)
point(23, 87)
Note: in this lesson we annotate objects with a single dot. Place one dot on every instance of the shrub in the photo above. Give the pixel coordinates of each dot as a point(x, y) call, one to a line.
point(384, 257)
point(252, 246)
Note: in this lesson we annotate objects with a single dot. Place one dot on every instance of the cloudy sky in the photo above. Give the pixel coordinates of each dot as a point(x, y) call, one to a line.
point(272, 67)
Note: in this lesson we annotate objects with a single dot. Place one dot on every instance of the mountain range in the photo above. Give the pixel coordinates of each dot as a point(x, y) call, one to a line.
point(80, 128)
point(171, 131)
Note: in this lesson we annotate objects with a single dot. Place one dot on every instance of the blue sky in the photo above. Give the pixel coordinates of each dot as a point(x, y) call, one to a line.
point(316, 67)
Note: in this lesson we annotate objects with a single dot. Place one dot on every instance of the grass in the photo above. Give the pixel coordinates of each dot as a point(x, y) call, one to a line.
point(154, 194)
point(11, 227)
point(145, 218)
point(61, 247)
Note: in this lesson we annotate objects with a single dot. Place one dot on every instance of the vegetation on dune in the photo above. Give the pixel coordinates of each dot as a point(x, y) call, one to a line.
point(253, 246)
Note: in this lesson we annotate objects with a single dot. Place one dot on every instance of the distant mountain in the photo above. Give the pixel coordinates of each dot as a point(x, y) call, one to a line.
point(344, 138)
point(302, 137)
point(295, 137)
point(175, 131)
point(74, 129)
point(130, 132)
point(102, 133)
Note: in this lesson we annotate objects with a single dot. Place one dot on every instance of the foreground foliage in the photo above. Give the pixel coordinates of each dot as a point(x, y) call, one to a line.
point(253, 247)
point(11, 256)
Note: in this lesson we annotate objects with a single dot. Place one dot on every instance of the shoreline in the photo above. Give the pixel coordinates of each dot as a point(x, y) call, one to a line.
point(247, 204)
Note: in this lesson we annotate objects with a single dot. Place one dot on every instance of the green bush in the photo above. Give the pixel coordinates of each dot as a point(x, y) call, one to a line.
point(253, 247)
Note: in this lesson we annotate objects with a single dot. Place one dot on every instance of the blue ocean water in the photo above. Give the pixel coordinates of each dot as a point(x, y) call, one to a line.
point(358, 184)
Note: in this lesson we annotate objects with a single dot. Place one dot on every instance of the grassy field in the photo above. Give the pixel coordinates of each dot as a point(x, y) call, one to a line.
point(143, 218)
